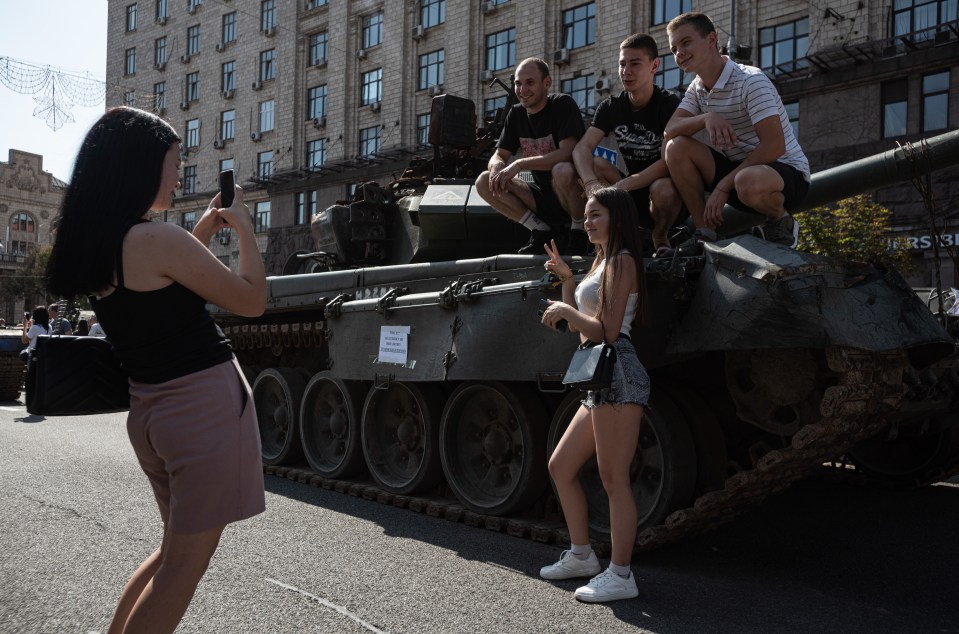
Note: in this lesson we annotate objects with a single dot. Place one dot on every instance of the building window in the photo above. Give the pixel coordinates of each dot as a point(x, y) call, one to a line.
point(228, 76)
point(501, 49)
point(782, 48)
point(267, 15)
point(313, 4)
point(490, 106)
point(22, 222)
point(305, 207)
point(189, 181)
point(131, 17)
point(894, 107)
point(299, 208)
point(159, 96)
point(229, 27)
point(373, 30)
point(159, 51)
point(228, 124)
point(431, 69)
point(266, 115)
point(935, 101)
point(193, 133)
point(909, 16)
point(193, 40)
point(582, 92)
point(193, 4)
point(163, 10)
point(792, 111)
point(432, 12)
point(666, 10)
point(130, 67)
point(262, 216)
point(188, 220)
point(372, 87)
point(226, 164)
point(318, 52)
point(193, 86)
point(267, 64)
point(264, 164)
point(670, 76)
point(316, 102)
point(579, 26)
point(423, 129)
point(130, 99)
point(315, 154)
point(369, 141)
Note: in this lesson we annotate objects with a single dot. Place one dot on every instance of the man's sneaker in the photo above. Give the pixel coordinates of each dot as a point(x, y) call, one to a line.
point(691, 246)
point(536, 241)
point(784, 231)
point(608, 586)
point(569, 567)
point(579, 243)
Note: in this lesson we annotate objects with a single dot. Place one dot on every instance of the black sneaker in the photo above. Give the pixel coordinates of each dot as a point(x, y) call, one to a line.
point(579, 243)
point(784, 231)
point(536, 241)
point(691, 246)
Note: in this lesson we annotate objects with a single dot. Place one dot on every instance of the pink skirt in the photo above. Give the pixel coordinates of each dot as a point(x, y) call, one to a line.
point(198, 442)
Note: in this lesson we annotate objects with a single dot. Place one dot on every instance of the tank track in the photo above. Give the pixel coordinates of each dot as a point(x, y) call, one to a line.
point(868, 386)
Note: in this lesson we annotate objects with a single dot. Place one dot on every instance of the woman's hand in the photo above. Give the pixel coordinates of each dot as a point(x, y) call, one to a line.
point(556, 312)
point(555, 263)
point(237, 214)
point(210, 222)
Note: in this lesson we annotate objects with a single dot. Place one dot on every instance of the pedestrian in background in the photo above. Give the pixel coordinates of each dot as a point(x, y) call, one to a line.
point(191, 422)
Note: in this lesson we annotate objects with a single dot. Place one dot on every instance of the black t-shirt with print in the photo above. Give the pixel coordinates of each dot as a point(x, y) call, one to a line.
point(540, 133)
point(639, 132)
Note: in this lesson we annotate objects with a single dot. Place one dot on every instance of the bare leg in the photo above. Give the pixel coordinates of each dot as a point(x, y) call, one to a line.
point(606, 171)
point(616, 430)
point(132, 591)
point(691, 166)
point(513, 204)
point(574, 449)
point(664, 207)
point(568, 190)
point(761, 187)
point(184, 558)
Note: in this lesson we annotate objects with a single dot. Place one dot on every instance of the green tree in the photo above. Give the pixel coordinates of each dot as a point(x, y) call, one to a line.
point(29, 280)
point(856, 229)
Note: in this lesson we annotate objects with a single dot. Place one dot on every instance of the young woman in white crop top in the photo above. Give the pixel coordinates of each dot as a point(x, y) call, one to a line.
point(607, 303)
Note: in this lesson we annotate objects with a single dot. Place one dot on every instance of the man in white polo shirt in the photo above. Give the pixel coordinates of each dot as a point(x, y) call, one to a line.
point(752, 161)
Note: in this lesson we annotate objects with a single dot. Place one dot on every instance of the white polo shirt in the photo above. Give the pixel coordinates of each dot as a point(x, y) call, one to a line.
point(744, 96)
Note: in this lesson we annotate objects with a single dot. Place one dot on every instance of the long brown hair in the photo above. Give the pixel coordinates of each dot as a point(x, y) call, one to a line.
point(623, 234)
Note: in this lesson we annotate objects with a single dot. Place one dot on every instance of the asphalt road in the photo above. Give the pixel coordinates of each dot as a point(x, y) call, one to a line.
point(76, 517)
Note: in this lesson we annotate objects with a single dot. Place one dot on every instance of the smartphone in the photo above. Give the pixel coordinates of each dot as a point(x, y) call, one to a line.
point(543, 305)
point(226, 188)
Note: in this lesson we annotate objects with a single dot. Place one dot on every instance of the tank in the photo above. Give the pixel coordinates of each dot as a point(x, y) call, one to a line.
point(411, 367)
point(11, 367)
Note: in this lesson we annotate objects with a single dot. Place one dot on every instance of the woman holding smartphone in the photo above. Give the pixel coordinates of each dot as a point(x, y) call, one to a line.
point(604, 306)
point(191, 422)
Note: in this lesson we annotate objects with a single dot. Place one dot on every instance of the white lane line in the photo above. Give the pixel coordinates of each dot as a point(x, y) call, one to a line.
point(328, 604)
point(11, 409)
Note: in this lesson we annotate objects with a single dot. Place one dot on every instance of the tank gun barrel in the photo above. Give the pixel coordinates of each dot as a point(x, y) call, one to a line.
point(864, 175)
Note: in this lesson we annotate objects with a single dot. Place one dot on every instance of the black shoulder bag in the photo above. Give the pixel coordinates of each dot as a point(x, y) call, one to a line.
point(72, 376)
point(591, 367)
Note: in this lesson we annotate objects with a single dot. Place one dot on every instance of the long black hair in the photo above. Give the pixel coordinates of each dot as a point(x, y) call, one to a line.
point(41, 317)
point(623, 234)
point(115, 180)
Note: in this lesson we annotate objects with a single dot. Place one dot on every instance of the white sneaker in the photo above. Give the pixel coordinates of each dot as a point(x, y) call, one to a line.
point(569, 567)
point(608, 586)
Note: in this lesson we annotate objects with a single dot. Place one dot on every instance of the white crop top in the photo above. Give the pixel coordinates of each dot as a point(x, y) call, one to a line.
point(587, 297)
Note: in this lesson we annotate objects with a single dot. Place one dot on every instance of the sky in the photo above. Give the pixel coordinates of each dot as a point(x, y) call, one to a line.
point(66, 35)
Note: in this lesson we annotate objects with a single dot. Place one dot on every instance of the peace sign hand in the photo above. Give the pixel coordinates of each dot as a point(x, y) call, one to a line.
point(555, 264)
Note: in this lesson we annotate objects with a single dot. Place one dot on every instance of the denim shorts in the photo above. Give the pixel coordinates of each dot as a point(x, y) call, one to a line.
point(630, 381)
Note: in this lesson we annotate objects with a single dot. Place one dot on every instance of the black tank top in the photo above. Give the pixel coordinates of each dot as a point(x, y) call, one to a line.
point(163, 334)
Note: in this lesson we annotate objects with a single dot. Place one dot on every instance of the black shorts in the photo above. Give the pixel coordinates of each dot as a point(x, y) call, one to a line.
point(547, 204)
point(795, 186)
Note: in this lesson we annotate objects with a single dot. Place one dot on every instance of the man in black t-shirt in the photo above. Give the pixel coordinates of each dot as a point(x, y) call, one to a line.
point(543, 128)
point(637, 119)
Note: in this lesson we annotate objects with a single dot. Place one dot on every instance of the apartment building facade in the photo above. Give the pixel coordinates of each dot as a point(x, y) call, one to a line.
point(307, 98)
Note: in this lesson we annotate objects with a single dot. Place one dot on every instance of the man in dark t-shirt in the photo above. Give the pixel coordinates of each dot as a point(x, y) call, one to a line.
point(542, 129)
point(637, 119)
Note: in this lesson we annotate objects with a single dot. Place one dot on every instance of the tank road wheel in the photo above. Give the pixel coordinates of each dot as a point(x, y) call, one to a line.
point(663, 471)
point(399, 431)
point(491, 446)
point(911, 455)
point(277, 394)
point(330, 425)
